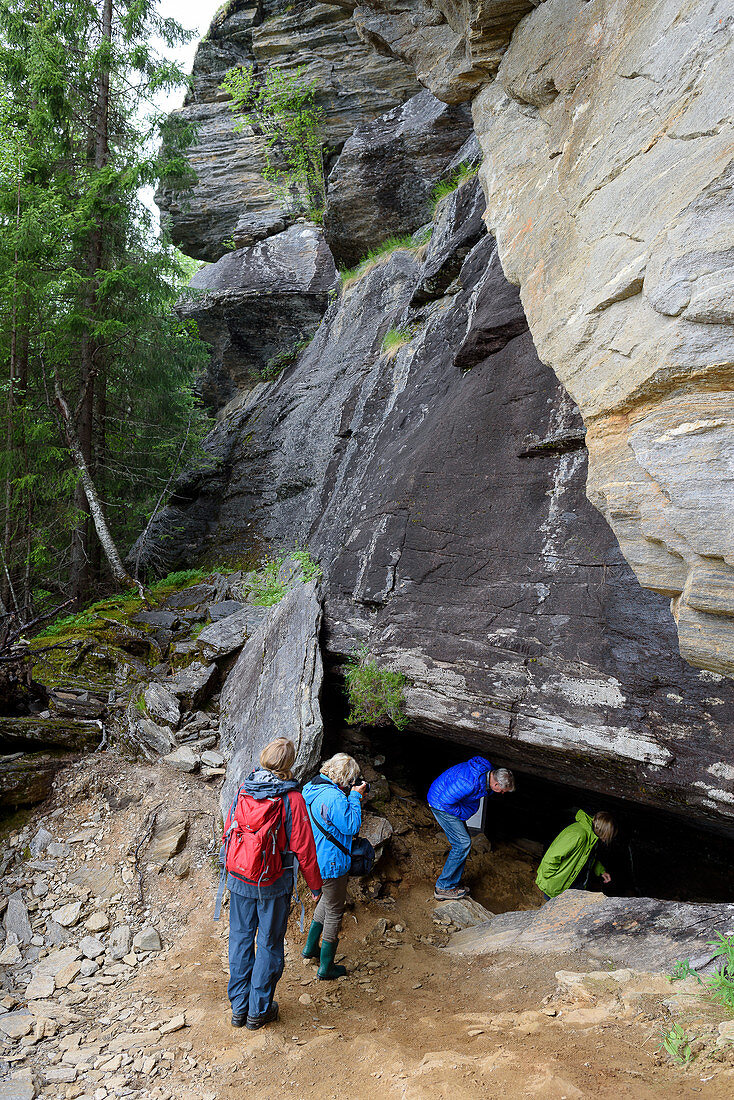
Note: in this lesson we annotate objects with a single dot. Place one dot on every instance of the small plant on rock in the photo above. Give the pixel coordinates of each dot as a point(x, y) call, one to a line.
point(677, 1045)
point(374, 256)
point(268, 587)
point(376, 695)
point(721, 983)
point(309, 568)
point(395, 339)
point(448, 186)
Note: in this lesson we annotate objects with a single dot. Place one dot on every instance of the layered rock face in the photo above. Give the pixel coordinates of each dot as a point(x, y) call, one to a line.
point(606, 128)
point(608, 171)
point(440, 482)
point(232, 200)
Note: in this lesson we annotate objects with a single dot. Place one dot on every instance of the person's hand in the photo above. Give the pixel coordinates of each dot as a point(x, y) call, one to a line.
point(361, 788)
point(316, 894)
point(606, 877)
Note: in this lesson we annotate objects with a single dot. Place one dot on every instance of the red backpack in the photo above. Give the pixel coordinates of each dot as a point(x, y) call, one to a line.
point(251, 838)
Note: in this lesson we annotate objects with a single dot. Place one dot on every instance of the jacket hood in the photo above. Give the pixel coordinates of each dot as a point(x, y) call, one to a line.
point(261, 783)
point(479, 764)
point(311, 790)
point(587, 823)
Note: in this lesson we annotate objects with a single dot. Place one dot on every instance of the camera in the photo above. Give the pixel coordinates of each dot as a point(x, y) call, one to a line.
point(358, 782)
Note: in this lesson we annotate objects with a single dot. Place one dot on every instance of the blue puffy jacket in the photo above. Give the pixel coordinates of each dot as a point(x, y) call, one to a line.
point(459, 790)
point(340, 814)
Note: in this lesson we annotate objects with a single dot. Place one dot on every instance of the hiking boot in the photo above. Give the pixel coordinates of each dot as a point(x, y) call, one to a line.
point(312, 949)
point(239, 1019)
point(450, 895)
point(256, 1022)
point(328, 971)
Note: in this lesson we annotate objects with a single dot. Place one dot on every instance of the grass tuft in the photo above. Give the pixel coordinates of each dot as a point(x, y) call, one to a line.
point(374, 256)
point(448, 186)
point(395, 339)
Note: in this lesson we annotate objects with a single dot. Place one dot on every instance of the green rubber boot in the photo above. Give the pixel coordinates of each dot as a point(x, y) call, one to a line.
point(312, 949)
point(328, 971)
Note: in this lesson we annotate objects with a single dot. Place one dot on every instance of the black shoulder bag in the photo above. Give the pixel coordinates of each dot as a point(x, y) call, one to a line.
point(362, 854)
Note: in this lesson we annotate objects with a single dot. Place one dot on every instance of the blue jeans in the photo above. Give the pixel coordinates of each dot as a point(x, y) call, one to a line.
point(460, 842)
point(253, 977)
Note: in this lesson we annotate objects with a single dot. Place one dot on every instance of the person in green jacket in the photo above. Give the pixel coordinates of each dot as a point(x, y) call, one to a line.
point(570, 860)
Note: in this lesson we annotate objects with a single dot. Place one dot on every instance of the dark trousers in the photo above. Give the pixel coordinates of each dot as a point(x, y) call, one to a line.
point(253, 975)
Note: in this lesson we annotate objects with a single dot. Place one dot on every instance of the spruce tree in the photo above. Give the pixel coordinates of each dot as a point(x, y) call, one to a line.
point(98, 372)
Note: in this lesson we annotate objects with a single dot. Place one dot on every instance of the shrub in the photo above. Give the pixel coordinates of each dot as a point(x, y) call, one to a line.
point(376, 695)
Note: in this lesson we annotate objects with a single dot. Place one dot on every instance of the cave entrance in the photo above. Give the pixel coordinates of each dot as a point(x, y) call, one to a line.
point(655, 854)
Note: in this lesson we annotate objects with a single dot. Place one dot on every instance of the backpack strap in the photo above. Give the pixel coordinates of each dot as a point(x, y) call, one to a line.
point(337, 843)
point(288, 822)
point(223, 856)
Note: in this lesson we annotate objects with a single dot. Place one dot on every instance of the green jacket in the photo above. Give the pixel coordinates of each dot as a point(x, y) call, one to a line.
point(565, 859)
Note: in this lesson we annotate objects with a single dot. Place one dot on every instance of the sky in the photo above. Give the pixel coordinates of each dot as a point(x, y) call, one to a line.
point(193, 15)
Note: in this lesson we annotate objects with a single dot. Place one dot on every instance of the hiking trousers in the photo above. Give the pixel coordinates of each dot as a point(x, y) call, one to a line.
point(331, 906)
point(254, 974)
point(460, 841)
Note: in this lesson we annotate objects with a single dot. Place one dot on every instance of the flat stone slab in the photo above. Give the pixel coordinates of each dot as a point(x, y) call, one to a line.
point(273, 689)
point(226, 635)
point(190, 597)
point(640, 933)
point(463, 912)
point(168, 837)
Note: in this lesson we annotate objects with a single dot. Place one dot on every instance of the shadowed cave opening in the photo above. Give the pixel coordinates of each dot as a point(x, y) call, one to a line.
point(656, 854)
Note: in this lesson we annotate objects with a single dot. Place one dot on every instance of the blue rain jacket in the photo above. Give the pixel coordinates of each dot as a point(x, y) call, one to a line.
point(459, 790)
point(340, 814)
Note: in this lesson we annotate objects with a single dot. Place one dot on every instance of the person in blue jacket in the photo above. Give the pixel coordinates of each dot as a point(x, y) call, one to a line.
point(334, 804)
point(453, 798)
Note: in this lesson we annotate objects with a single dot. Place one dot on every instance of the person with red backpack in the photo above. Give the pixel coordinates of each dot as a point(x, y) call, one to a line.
point(267, 835)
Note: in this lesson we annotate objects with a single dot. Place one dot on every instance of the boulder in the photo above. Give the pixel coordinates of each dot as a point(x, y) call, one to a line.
point(91, 947)
point(27, 778)
point(167, 620)
point(61, 732)
point(464, 913)
point(16, 1024)
point(382, 183)
point(194, 684)
point(189, 597)
point(184, 759)
point(273, 689)
point(376, 829)
point(255, 305)
point(223, 609)
point(68, 915)
point(119, 941)
point(641, 933)
point(353, 82)
point(40, 987)
point(227, 635)
point(41, 841)
point(144, 736)
point(162, 705)
point(147, 939)
point(169, 836)
point(458, 227)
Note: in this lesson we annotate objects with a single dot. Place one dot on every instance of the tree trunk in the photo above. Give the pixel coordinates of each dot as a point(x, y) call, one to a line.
point(84, 430)
point(95, 505)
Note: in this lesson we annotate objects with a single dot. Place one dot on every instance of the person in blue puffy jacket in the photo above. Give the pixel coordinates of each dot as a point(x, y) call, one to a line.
point(334, 803)
point(453, 798)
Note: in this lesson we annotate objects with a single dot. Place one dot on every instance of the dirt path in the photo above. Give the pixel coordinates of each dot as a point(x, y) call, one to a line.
point(410, 1021)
